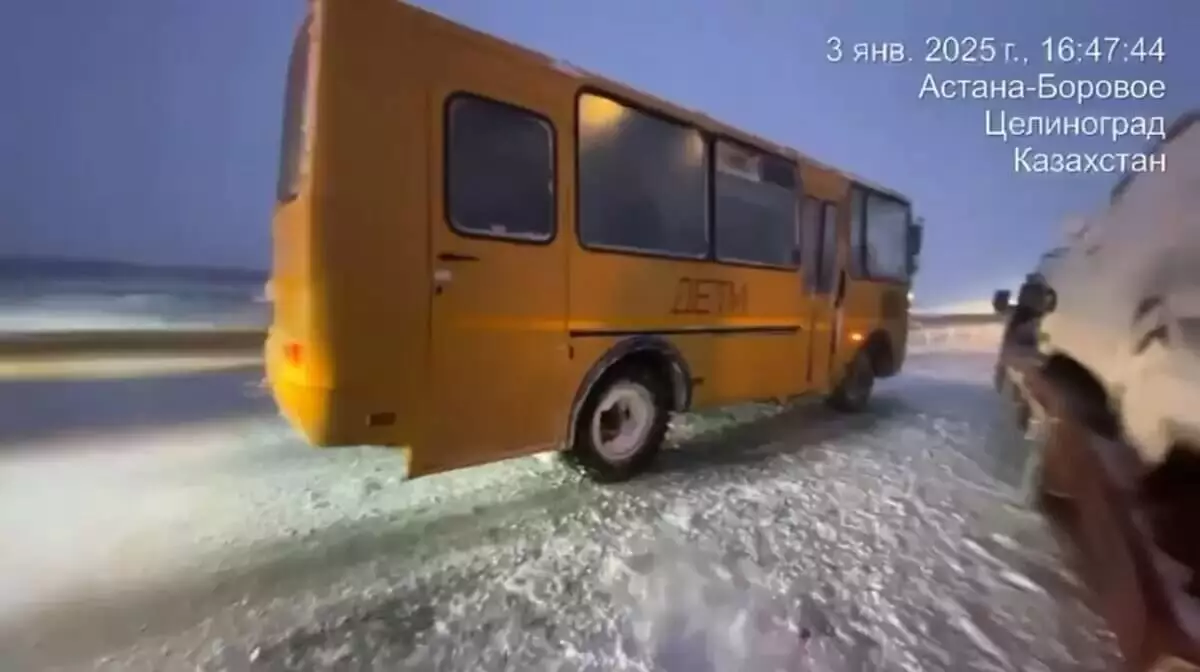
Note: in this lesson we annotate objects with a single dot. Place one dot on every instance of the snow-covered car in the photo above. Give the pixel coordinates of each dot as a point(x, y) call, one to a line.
point(1046, 265)
point(1121, 325)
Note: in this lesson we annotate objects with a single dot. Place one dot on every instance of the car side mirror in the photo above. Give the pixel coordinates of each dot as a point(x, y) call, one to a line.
point(1000, 301)
point(916, 239)
point(1037, 298)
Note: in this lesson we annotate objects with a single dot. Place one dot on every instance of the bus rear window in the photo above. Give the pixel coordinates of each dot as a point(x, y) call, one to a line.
point(292, 144)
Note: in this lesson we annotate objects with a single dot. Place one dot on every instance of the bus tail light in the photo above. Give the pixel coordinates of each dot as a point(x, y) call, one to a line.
point(293, 353)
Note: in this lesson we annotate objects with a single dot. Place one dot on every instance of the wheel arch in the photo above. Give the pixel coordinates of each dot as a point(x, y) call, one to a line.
point(663, 357)
point(1088, 389)
point(1061, 365)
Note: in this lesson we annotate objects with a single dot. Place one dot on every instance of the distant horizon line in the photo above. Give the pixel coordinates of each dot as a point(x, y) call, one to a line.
point(31, 264)
point(58, 266)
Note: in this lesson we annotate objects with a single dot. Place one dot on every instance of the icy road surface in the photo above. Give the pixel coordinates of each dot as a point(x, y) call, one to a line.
point(803, 541)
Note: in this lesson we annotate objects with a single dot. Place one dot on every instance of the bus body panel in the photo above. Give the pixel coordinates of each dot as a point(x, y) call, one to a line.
point(739, 328)
point(826, 307)
point(296, 359)
point(875, 309)
point(499, 309)
point(367, 287)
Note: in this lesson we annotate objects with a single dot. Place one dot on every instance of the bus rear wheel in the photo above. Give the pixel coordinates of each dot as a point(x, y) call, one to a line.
point(854, 390)
point(621, 427)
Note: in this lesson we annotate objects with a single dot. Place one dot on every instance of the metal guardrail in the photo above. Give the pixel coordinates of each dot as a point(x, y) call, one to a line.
point(958, 320)
point(971, 333)
point(119, 354)
point(115, 353)
point(149, 342)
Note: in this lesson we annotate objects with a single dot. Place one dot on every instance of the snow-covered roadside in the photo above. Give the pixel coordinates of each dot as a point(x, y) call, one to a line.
point(803, 541)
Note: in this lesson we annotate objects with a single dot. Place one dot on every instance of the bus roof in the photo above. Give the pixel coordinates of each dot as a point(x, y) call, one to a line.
point(860, 181)
point(697, 117)
point(623, 91)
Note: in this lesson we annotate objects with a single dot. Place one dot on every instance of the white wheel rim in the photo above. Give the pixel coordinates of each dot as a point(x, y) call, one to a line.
point(622, 421)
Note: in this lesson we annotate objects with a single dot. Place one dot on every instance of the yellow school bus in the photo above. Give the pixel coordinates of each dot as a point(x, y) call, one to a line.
point(480, 253)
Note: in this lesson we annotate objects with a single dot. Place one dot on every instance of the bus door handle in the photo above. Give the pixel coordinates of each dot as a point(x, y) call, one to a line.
point(454, 256)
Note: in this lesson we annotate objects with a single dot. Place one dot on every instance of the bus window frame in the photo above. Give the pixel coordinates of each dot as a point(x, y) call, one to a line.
point(548, 123)
point(798, 197)
point(859, 255)
point(709, 138)
point(829, 225)
point(294, 134)
point(649, 111)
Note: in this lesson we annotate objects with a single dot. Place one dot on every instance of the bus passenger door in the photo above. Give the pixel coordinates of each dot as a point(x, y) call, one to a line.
point(499, 338)
point(821, 272)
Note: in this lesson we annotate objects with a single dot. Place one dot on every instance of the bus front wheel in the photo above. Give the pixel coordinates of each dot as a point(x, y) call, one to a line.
point(853, 391)
point(621, 426)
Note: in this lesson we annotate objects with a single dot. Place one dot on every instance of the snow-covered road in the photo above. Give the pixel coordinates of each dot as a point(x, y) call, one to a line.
point(806, 540)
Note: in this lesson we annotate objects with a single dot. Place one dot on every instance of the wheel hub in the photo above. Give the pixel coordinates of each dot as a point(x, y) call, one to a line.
point(622, 421)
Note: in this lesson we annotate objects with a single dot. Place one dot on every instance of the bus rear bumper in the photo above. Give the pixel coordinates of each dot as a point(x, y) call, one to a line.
point(307, 409)
point(332, 416)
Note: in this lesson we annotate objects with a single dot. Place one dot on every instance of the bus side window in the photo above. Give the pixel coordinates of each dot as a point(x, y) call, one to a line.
point(829, 247)
point(754, 206)
point(499, 170)
point(643, 181)
point(856, 264)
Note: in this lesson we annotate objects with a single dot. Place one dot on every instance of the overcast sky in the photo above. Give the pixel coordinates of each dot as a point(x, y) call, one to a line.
point(148, 130)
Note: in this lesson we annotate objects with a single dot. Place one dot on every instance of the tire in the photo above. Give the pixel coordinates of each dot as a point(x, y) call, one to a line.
point(853, 392)
point(621, 426)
